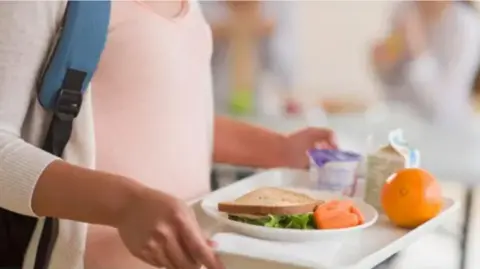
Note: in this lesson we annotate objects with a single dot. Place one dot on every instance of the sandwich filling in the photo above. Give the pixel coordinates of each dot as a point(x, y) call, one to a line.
point(299, 221)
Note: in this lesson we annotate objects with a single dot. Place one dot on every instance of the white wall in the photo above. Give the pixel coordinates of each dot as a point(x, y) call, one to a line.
point(333, 42)
point(333, 39)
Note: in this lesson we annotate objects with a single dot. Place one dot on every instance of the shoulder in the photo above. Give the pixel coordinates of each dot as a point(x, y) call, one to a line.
point(398, 10)
point(11, 10)
point(465, 21)
point(30, 18)
point(27, 29)
point(466, 12)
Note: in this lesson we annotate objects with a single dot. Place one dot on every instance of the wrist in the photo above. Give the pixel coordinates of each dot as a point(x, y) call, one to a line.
point(129, 196)
point(284, 152)
point(274, 152)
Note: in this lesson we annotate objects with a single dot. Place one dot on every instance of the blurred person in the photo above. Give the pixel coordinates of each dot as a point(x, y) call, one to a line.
point(276, 51)
point(154, 135)
point(430, 58)
point(476, 92)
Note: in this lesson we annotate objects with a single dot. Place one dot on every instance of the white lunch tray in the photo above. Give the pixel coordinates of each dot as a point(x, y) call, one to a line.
point(370, 248)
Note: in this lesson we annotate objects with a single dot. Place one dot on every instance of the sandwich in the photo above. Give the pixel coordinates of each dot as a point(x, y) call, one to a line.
point(273, 207)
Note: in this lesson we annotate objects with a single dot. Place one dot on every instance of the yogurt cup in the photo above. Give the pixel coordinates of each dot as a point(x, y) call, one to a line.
point(334, 170)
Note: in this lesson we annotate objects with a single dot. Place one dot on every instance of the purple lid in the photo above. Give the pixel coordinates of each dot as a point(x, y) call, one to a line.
point(322, 156)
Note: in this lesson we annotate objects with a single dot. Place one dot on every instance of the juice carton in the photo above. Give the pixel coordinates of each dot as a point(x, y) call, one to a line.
point(384, 162)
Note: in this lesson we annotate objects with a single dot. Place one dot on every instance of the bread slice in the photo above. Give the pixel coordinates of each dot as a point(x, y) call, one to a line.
point(270, 201)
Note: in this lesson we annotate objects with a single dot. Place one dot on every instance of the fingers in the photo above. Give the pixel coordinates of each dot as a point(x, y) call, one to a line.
point(160, 260)
point(154, 255)
point(204, 254)
point(324, 138)
point(198, 246)
point(179, 256)
point(331, 138)
point(165, 250)
point(333, 141)
point(211, 243)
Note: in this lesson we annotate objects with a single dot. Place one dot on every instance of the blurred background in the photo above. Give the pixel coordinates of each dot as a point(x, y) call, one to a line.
point(287, 64)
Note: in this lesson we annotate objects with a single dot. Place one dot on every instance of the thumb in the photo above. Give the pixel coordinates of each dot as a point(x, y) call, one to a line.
point(212, 243)
point(322, 145)
point(330, 139)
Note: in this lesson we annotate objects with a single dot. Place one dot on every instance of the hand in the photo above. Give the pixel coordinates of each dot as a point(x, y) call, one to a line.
point(162, 231)
point(384, 58)
point(298, 143)
point(413, 31)
point(407, 41)
point(389, 52)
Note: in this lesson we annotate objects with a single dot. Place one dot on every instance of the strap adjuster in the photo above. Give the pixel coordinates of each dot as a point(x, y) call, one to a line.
point(68, 104)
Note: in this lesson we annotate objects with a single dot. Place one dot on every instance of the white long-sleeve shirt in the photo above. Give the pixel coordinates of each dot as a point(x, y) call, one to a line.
point(438, 83)
point(27, 29)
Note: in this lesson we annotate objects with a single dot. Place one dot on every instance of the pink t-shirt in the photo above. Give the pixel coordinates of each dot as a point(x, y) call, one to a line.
point(152, 98)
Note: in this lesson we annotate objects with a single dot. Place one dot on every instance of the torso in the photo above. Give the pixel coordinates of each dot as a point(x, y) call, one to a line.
point(152, 98)
point(153, 110)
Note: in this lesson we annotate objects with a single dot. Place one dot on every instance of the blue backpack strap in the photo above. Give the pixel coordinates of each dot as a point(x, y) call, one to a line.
point(71, 67)
point(81, 42)
point(77, 52)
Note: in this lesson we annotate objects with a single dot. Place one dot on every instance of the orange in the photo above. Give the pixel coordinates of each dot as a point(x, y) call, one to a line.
point(411, 197)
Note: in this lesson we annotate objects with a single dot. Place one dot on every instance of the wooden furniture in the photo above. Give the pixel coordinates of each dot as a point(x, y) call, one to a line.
point(344, 104)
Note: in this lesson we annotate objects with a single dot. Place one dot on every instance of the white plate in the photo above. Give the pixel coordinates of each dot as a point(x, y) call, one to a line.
point(210, 206)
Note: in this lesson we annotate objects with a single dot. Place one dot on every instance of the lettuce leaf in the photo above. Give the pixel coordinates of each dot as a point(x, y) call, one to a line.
point(299, 222)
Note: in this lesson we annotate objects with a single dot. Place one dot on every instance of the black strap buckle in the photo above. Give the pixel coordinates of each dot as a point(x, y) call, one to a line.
point(68, 104)
point(66, 109)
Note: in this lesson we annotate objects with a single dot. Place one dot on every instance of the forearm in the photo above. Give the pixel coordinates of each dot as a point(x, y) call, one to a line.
point(69, 192)
point(246, 145)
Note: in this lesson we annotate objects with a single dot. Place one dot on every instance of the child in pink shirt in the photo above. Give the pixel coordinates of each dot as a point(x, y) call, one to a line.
point(152, 109)
point(152, 98)
point(154, 113)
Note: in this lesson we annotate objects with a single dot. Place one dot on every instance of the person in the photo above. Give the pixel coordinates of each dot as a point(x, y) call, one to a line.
point(154, 137)
point(276, 50)
point(430, 58)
